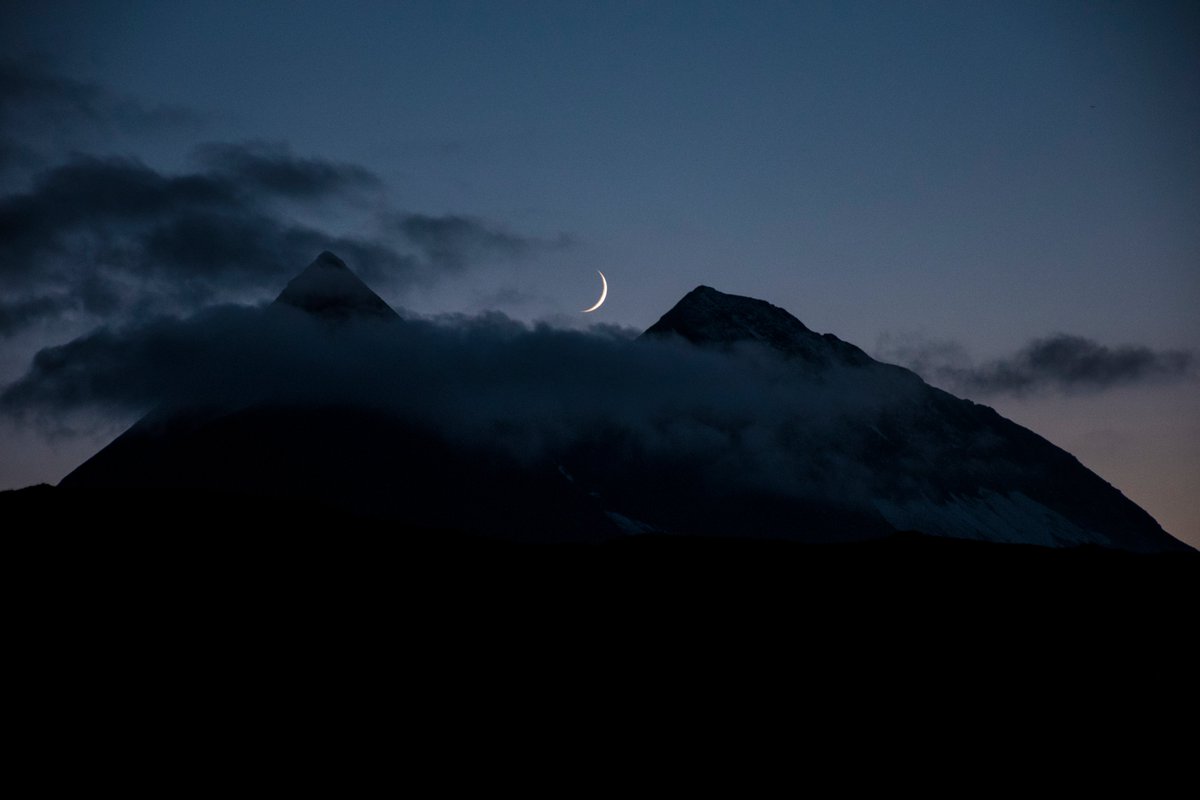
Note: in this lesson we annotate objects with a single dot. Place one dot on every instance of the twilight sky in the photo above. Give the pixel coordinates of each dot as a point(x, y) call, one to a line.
point(1004, 196)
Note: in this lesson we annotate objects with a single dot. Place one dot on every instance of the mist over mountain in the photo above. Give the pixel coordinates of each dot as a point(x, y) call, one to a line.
point(728, 417)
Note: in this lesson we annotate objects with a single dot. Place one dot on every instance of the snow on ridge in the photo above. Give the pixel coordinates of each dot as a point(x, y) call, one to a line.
point(990, 516)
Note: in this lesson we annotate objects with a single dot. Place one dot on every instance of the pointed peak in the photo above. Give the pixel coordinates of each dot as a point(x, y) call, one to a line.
point(707, 296)
point(706, 316)
point(328, 259)
point(328, 288)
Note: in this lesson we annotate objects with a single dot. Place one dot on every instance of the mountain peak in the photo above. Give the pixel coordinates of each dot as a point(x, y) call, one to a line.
point(328, 259)
point(328, 288)
point(706, 316)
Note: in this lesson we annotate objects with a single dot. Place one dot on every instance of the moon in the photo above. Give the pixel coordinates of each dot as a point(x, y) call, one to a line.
point(603, 293)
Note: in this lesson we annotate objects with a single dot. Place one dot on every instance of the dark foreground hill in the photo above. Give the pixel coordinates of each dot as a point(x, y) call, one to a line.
point(178, 621)
point(220, 544)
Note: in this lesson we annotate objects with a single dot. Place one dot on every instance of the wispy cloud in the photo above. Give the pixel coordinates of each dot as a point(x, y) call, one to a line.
point(43, 114)
point(107, 236)
point(166, 240)
point(273, 169)
point(1060, 362)
point(453, 240)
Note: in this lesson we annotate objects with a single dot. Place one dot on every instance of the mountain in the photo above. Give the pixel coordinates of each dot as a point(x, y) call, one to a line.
point(707, 317)
point(935, 463)
point(327, 288)
point(877, 451)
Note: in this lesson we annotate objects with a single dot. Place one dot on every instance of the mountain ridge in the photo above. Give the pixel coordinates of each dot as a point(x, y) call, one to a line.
point(708, 316)
point(892, 454)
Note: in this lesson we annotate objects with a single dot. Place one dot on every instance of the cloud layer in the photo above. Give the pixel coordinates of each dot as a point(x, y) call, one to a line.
point(105, 235)
point(142, 237)
point(1060, 362)
point(740, 418)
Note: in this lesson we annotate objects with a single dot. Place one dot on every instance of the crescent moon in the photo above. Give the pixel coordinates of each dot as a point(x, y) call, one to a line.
point(603, 294)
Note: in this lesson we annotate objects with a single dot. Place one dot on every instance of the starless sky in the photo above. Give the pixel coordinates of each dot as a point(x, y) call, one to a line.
point(1005, 196)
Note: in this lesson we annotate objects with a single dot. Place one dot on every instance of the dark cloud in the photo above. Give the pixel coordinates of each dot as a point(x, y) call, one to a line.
point(15, 316)
point(14, 155)
point(273, 169)
point(119, 195)
point(99, 195)
point(1061, 362)
point(153, 239)
point(37, 104)
point(106, 235)
point(170, 242)
point(452, 241)
point(485, 381)
point(255, 249)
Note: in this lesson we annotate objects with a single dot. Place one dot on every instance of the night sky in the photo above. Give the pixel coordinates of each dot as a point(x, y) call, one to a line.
point(1003, 196)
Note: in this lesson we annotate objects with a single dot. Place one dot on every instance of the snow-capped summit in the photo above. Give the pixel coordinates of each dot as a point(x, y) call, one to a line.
point(707, 316)
point(328, 288)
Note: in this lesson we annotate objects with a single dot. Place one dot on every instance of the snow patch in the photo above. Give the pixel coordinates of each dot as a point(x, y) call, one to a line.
point(1011, 517)
point(629, 525)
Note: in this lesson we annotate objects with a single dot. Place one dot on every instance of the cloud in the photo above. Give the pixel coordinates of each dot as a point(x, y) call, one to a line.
point(452, 240)
point(15, 316)
point(172, 242)
point(92, 195)
point(15, 156)
point(271, 168)
point(39, 107)
point(1061, 362)
point(744, 419)
point(97, 194)
point(101, 235)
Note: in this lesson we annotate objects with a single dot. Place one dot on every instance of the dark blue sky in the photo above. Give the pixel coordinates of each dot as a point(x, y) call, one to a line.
point(953, 177)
